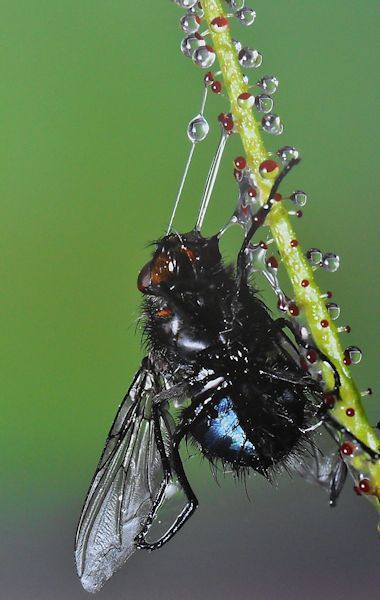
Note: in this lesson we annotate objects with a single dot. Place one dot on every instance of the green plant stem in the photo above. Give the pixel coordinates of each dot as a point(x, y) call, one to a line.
point(308, 298)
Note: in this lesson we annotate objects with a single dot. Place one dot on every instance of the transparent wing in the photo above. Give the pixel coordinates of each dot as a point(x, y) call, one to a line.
point(126, 482)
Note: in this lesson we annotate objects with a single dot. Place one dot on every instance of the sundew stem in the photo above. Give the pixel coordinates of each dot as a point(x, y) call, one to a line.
point(308, 298)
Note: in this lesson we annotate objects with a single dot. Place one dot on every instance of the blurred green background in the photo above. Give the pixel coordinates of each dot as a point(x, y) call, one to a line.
point(94, 101)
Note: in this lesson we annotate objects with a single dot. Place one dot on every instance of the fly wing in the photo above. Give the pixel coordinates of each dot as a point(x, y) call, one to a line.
point(126, 482)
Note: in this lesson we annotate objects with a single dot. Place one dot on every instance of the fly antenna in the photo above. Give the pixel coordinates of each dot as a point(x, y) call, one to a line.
point(197, 130)
point(211, 177)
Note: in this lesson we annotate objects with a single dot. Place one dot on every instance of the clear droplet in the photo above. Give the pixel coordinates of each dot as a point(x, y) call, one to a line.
point(330, 262)
point(246, 16)
point(204, 57)
point(314, 256)
point(190, 43)
point(249, 58)
point(197, 10)
point(269, 84)
point(354, 353)
point(190, 23)
point(197, 129)
point(334, 310)
point(272, 124)
point(299, 198)
point(287, 153)
point(237, 45)
point(264, 103)
point(185, 3)
point(236, 4)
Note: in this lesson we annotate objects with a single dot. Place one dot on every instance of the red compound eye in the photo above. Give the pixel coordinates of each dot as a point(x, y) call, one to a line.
point(162, 269)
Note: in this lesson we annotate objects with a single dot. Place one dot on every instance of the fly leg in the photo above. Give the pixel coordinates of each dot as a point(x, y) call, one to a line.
point(290, 378)
point(258, 221)
point(202, 402)
point(280, 324)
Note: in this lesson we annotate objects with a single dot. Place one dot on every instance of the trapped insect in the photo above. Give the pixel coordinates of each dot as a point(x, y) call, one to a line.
point(249, 403)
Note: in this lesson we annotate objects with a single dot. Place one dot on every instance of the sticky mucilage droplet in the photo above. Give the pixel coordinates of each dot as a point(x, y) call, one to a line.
point(246, 16)
point(190, 43)
point(249, 58)
point(190, 23)
point(269, 84)
point(264, 103)
point(333, 310)
point(271, 123)
point(330, 262)
point(299, 198)
point(185, 3)
point(204, 57)
point(314, 256)
point(197, 129)
point(287, 153)
point(354, 354)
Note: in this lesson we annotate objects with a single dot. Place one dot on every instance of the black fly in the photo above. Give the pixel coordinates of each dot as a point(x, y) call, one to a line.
point(249, 402)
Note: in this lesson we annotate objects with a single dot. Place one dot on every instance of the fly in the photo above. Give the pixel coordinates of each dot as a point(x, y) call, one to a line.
point(214, 350)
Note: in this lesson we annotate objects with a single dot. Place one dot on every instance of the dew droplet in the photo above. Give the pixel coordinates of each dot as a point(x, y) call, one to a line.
point(354, 354)
point(264, 103)
point(246, 16)
point(330, 262)
point(314, 256)
point(334, 310)
point(185, 3)
point(190, 43)
point(197, 129)
point(249, 58)
point(272, 124)
point(299, 198)
point(287, 153)
point(190, 23)
point(269, 84)
point(204, 57)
